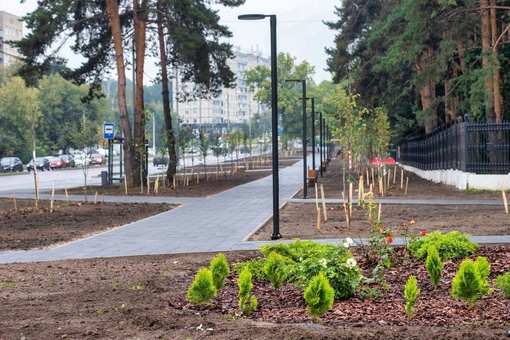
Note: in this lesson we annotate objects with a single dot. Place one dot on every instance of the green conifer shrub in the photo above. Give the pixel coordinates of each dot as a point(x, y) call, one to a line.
point(275, 270)
point(411, 292)
point(202, 289)
point(434, 265)
point(319, 295)
point(503, 283)
point(220, 269)
point(467, 283)
point(247, 302)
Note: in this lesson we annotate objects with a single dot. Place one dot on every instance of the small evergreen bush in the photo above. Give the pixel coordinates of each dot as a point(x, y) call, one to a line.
point(503, 283)
point(256, 268)
point(471, 280)
point(411, 292)
point(202, 289)
point(247, 302)
point(452, 245)
point(275, 270)
point(434, 265)
point(220, 270)
point(319, 295)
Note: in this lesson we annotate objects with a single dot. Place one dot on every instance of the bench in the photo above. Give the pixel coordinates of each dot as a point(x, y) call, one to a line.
point(311, 178)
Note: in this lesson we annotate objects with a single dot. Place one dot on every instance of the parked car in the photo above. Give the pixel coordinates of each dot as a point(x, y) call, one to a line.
point(11, 164)
point(97, 159)
point(57, 162)
point(41, 163)
point(80, 160)
point(160, 160)
point(69, 159)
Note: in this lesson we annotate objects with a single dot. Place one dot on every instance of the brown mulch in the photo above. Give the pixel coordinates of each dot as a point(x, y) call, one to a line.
point(145, 297)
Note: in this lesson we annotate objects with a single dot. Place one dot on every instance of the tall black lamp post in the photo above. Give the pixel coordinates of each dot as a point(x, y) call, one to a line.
point(274, 119)
point(320, 139)
point(305, 170)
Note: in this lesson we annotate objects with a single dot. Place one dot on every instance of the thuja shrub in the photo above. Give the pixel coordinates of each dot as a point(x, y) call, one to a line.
point(247, 302)
point(452, 245)
point(202, 289)
point(434, 265)
point(220, 269)
point(503, 283)
point(470, 281)
point(275, 269)
point(319, 295)
point(256, 268)
point(411, 292)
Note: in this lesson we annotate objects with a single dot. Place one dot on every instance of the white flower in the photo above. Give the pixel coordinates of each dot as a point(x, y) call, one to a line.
point(346, 244)
point(351, 263)
point(323, 262)
point(300, 259)
point(349, 240)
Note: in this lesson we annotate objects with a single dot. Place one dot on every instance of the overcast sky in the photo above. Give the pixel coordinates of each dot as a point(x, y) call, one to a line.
point(300, 31)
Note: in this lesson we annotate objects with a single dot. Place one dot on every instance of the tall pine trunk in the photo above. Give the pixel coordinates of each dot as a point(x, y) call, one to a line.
point(170, 135)
point(496, 66)
point(486, 44)
point(113, 14)
point(428, 90)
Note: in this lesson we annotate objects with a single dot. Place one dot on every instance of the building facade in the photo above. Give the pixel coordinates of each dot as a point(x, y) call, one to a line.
point(11, 28)
point(233, 107)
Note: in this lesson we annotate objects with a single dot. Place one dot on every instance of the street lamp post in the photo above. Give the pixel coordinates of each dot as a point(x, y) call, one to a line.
point(274, 119)
point(320, 139)
point(305, 170)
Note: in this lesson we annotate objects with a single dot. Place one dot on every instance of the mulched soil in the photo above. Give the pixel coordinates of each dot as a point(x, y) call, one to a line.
point(145, 297)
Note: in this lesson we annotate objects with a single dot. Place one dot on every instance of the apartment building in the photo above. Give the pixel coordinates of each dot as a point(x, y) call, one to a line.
point(11, 28)
point(234, 106)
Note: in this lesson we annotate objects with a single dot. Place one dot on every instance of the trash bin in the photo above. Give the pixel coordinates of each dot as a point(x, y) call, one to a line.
point(104, 177)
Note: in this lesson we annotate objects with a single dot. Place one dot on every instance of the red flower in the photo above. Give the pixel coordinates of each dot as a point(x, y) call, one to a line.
point(381, 230)
point(423, 233)
point(389, 239)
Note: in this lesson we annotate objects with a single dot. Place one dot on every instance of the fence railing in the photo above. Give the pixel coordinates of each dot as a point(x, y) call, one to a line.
point(481, 148)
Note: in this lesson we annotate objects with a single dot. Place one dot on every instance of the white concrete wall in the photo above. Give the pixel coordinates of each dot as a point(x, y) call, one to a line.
point(463, 180)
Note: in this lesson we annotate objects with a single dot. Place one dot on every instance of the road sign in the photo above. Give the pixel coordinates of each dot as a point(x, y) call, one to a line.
point(109, 130)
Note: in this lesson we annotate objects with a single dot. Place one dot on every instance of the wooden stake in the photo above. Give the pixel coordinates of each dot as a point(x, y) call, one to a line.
point(319, 220)
point(350, 199)
point(14, 198)
point(95, 198)
point(141, 181)
point(148, 185)
point(379, 213)
point(381, 189)
point(346, 212)
point(316, 196)
point(125, 185)
point(407, 182)
point(388, 178)
point(401, 178)
point(198, 177)
point(368, 179)
point(156, 184)
point(37, 194)
point(173, 180)
point(394, 173)
point(324, 204)
point(67, 196)
point(505, 202)
point(360, 189)
point(373, 180)
point(52, 196)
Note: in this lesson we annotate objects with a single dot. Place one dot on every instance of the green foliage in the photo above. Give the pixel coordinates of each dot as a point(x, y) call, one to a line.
point(275, 269)
point(256, 267)
point(503, 283)
point(452, 245)
point(202, 289)
point(306, 259)
point(319, 295)
point(471, 280)
point(411, 292)
point(220, 270)
point(434, 265)
point(247, 302)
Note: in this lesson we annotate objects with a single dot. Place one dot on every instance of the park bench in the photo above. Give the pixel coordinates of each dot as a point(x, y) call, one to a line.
point(311, 178)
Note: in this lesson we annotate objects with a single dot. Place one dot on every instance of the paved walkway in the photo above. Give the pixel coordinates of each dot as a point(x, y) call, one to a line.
point(218, 223)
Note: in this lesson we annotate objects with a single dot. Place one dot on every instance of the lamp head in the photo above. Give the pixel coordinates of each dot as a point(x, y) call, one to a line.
point(251, 16)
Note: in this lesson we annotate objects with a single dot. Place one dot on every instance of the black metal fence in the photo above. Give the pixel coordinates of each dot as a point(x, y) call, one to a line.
point(481, 148)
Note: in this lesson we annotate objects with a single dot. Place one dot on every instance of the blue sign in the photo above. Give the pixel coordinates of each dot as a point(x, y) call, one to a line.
point(109, 130)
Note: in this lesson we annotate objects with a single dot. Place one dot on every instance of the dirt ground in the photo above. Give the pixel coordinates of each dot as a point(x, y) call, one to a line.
point(145, 297)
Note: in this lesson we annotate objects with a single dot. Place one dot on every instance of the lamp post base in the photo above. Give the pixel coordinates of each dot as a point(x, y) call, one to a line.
point(276, 236)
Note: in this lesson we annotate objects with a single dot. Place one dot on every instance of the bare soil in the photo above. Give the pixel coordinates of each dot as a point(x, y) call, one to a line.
point(145, 297)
